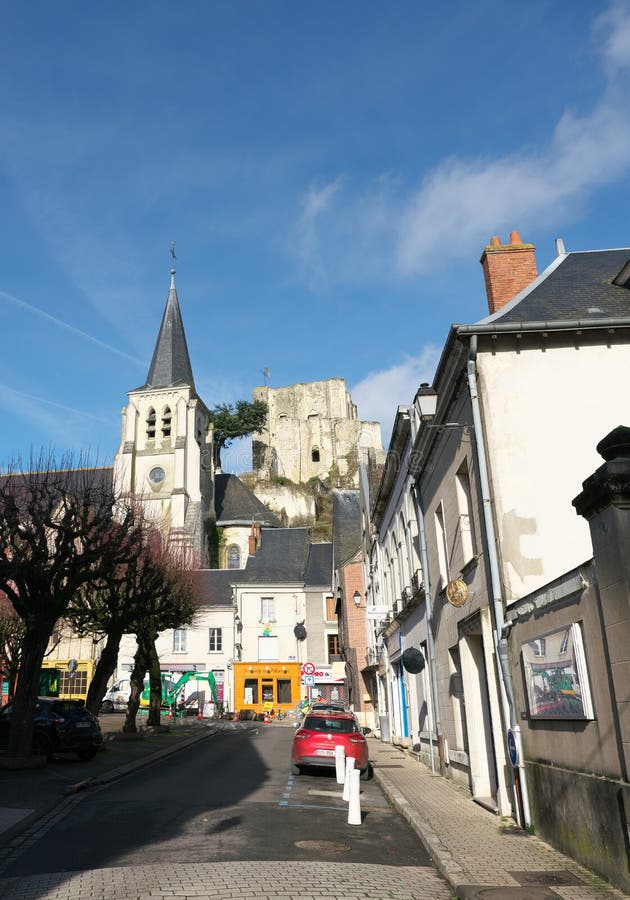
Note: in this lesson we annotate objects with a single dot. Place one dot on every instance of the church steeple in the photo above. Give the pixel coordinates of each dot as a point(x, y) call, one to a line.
point(170, 366)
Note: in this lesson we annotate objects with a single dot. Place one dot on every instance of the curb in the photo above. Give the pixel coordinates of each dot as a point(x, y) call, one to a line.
point(121, 771)
point(444, 860)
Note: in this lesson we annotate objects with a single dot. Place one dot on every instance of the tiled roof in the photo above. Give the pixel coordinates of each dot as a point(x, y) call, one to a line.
point(579, 287)
point(234, 503)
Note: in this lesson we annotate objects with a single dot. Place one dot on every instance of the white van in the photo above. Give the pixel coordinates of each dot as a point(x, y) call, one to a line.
point(117, 696)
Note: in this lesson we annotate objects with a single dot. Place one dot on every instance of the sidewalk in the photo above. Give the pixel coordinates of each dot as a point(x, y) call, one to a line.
point(471, 846)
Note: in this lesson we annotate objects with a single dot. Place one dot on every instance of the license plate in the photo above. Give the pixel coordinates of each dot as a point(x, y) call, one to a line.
point(325, 752)
point(82, 725)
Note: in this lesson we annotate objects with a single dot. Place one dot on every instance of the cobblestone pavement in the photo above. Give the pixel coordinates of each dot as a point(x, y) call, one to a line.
point(472, 846)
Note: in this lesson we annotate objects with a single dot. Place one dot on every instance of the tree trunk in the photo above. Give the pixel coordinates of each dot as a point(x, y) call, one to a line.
point(27, 689)
point(140, 666)
point(105, 668)
point(155, 677)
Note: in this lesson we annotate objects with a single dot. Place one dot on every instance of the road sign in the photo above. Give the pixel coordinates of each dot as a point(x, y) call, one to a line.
point(513, 747)
point(309, 680)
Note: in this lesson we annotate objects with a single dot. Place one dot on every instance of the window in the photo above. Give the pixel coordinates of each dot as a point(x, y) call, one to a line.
point(250, 691)
point(234, 556)
point(268, 649)
point(442, 546)
point(179, 640)
point(215, 642)
point(151, 424)
point(333, 647)
point(464, 505)
point(166, 422)
point(284, 690)
point(331, 615)
point(267, 609)
point(315, 454)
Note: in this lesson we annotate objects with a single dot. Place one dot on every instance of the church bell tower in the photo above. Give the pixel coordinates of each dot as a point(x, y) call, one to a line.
point(164, 460)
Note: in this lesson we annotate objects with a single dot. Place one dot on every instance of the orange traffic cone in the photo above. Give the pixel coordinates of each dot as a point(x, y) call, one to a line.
point(199, 713)
point(235, 716)
point(266, 719)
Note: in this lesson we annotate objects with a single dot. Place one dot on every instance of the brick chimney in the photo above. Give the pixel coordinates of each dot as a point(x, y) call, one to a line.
point(507, 269)
point(255, 538)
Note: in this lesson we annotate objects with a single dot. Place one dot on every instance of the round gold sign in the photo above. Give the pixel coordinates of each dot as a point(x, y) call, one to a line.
point(457, 592)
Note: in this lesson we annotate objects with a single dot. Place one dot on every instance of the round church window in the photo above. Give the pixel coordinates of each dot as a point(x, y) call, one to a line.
point(157, 475)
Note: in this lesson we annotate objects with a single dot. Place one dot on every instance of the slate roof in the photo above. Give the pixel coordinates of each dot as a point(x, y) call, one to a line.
point(346, 526)
point(214, 586)
point(319, 565)
point(235, 504)
point(575, 287)
point(282, 556)
point(73, 481)
point(170, 366)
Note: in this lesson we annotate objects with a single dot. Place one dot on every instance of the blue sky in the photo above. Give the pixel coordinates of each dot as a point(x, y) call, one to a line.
point(330, 173)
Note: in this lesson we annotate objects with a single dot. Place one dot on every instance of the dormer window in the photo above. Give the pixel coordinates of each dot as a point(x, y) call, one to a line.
point(166, 422)
point(151, 424)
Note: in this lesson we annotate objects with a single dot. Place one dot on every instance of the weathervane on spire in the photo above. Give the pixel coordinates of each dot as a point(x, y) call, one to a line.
point(266, 374)
point(173, 250)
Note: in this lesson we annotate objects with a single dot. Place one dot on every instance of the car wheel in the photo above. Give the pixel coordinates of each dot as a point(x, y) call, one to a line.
point(367, 773)
point(107, 706)
point(42, 746)
point(296, 770)
point(86, 753)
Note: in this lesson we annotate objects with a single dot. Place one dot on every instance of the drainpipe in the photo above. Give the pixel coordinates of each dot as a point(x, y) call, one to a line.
point(500, 628)
point(424, 562)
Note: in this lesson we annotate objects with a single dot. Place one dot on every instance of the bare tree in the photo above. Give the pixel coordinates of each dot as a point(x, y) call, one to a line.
point(11, 637)
point(61, 527)
point(170, 602)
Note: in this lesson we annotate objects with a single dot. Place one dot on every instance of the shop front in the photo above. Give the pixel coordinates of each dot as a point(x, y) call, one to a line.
point(267, 687)
point(326, 682)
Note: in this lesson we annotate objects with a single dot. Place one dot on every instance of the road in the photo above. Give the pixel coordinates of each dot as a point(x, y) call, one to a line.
point(228, 798)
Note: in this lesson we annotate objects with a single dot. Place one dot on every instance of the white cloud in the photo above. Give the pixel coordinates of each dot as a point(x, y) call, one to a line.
point(379, 394)
point(389, 230)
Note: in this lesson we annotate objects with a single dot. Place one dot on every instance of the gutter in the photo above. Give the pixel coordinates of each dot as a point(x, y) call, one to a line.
point(553, 325)
point(499, 631)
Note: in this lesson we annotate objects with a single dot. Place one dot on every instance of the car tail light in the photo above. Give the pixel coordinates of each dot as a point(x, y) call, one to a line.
point(302, 734)
point(58, 720)
point(356, 739)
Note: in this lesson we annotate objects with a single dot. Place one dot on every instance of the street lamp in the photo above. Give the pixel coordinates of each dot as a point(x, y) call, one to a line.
point(425, 403)
point(357, 598)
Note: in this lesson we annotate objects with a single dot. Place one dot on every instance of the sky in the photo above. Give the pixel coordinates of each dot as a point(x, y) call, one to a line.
point(329, 174)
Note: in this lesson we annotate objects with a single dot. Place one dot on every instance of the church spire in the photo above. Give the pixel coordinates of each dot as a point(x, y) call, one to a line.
point(170, 366)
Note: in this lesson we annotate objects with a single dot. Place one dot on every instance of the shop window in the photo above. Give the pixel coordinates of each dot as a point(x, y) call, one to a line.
point(151, 424)
point(267, 690)
point(284, 690)
point(250, 691)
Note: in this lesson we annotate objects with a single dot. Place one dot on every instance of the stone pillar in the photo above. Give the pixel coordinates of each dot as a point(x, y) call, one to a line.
point(605, 504)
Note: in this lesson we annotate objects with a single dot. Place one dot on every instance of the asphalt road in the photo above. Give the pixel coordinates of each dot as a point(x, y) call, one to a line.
point(228, 798)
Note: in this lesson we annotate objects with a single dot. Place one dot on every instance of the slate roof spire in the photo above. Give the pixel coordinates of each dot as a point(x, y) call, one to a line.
point(170, 366)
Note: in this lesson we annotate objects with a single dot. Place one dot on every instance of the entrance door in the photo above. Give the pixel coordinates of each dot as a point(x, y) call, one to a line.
point(483, 770)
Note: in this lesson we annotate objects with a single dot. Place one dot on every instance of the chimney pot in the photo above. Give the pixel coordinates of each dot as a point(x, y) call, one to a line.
point(515, 238)
point(496, 241)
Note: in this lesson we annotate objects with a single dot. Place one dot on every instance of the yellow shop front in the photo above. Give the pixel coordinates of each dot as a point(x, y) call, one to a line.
point(266, 687)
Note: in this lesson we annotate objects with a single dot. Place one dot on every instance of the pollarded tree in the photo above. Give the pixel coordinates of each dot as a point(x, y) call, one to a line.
point(110, 607)
point(11, 637)
point(61, 527)
point(170, 602)
point(235, 420)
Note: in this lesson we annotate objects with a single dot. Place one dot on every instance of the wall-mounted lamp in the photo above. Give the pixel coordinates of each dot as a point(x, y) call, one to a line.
point(425, 402)
point(357, 598)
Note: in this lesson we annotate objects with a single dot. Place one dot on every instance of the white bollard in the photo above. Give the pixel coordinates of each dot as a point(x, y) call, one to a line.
point(354, 805)
point(346, 784)
point(340, 763)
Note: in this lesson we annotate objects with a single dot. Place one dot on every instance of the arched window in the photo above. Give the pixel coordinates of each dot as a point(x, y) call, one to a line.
point(166, 422)
point(315, 454)
point(234, 556)
point(151, 424)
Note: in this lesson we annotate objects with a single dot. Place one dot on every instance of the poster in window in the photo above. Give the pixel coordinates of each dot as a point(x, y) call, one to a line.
point(556, 677)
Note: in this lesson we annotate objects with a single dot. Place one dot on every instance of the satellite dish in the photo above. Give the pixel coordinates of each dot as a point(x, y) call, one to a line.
point(413, 660)
point(300, 632)
point(457, 592)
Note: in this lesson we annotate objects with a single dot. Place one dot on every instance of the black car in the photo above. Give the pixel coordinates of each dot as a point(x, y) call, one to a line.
point(59, 726)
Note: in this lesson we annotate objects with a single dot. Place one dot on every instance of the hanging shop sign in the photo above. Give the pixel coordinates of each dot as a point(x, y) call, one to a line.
point(413, 660)
point(457, 592)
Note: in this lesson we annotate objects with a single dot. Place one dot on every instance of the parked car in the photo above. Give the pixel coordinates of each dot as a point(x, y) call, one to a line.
point(59, 726)
point(315, 740)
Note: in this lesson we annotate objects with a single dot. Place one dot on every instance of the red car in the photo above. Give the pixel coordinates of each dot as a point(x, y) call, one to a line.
point(314, 742)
